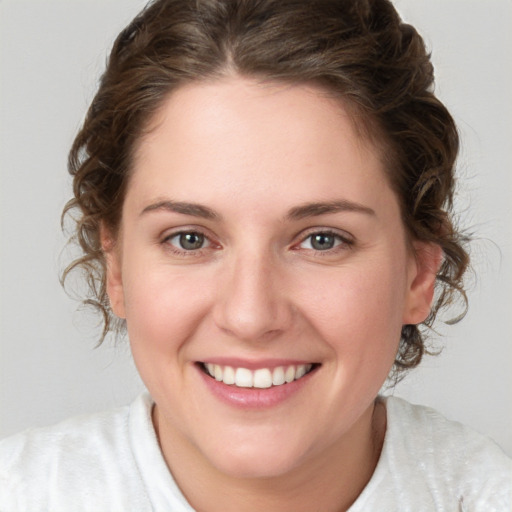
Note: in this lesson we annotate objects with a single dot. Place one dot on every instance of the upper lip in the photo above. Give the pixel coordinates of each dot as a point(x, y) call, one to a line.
point(255, 364)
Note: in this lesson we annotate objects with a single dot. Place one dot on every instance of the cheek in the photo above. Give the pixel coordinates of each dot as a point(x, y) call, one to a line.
point(359, 310)
point(162, 310)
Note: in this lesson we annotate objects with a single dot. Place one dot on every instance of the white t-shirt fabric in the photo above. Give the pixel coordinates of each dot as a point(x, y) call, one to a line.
point(112, 462)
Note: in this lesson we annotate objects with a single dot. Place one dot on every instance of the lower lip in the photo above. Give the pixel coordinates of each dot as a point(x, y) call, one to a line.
point(254, 398)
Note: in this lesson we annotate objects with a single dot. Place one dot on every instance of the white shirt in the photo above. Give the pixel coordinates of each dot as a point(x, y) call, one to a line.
point(112, 462)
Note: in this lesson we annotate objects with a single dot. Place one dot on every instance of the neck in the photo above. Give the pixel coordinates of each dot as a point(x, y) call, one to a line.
point(329, 481)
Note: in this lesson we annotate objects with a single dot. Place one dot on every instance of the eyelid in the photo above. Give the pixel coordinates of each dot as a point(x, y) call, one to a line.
point(188, 228)
point(172, 233)
point(347, 240)
point(180, 233)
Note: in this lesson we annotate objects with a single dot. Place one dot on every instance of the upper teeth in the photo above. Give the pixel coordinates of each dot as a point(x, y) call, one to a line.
point(261, 378)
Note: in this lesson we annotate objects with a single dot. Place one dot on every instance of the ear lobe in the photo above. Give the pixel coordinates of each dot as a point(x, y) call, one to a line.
point(114, 281)
point(428, 258)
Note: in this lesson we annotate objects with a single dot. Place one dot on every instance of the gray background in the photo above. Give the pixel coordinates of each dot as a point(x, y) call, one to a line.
point(51, 54)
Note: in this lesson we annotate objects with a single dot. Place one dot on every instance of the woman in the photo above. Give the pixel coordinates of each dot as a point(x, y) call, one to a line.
point(264, 193)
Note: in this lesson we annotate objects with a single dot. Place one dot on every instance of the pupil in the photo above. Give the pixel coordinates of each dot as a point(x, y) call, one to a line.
point(322, 241)
point(191, 241)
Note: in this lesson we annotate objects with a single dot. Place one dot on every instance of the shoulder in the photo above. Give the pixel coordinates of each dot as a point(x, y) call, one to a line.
point(81, 457)
point(73, 438)
point(449, 457)
point(420, 427)
point(83, 427)
point(429, 463)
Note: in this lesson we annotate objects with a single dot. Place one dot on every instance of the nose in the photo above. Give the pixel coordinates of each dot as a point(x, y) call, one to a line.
point(252, 304)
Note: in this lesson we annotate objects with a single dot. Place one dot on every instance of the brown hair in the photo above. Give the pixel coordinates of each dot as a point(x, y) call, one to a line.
point(358, 50)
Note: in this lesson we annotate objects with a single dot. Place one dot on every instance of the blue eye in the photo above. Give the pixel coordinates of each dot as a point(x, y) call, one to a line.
point(189, 241)
point(322, 241)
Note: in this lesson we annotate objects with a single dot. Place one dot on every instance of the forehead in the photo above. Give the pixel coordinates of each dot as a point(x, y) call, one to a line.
point(209, 136)
point(246, 101)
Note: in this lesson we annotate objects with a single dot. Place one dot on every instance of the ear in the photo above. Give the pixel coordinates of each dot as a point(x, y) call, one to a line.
point(426, 261)
point(114, 277)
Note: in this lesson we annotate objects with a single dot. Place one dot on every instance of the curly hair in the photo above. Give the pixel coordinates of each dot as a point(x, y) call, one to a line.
point(357, 50)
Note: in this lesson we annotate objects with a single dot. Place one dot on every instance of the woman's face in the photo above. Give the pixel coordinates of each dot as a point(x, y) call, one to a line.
point(260, 240)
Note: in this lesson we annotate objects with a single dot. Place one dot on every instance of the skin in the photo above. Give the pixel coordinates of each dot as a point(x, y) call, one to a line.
point(253, 154)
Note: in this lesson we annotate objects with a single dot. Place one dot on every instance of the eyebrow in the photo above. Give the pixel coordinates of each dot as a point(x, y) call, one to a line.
point(296, 213)
point(321, 208)
point(193, 209)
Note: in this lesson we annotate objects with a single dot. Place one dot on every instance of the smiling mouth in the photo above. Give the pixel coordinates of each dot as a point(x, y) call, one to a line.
point(262, 378)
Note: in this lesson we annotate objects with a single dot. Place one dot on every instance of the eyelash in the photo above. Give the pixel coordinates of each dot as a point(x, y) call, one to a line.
point(342, 242)
point(184, 252)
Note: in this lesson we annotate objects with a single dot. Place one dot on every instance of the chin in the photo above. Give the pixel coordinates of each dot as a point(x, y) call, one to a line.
point(257, 467)
point(246, 459)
